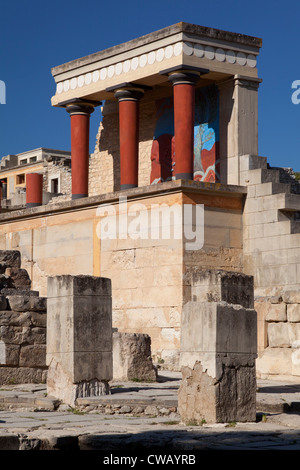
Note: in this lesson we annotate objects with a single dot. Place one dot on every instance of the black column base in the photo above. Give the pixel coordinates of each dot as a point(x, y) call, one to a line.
point(79, 196)
point(33, 204)
point(184, 176)
point(128, 186)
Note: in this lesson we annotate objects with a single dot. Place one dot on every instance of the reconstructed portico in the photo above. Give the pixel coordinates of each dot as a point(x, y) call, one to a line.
point(172, 63)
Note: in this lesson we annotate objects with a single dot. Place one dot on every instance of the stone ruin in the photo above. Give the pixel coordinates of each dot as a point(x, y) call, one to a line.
point(26, 356)
point(22, 324)
point(132, 357)
point(82, 354)
point(219, 349)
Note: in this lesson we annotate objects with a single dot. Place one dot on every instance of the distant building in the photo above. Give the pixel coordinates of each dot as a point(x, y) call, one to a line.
point(55, 165)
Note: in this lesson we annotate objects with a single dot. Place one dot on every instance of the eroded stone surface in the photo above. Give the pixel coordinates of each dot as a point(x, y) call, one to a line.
point(132, 357)
point(22, 324)
point(202, 398)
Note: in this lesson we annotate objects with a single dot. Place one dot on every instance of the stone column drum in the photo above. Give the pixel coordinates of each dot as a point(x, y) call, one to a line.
point(79, 337)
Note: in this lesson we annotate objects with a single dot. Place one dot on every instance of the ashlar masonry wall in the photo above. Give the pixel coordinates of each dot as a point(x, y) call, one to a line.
point(279, 335)
point(150, 275)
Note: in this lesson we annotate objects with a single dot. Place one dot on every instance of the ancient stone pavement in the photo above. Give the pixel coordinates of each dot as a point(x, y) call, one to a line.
point(140, 417)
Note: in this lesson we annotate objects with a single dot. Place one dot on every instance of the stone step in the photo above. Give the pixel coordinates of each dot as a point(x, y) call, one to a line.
point(259, 176)
point(252, 162)
point(21, 292)
point(269, 188)
point(291, 202)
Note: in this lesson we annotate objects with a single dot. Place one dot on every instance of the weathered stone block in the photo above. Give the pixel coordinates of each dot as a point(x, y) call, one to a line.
point(207, 329)
point(19, 278)
point(33, 355)
point(203, 398)
point(132, 357)
point(274, 361)
point(24, 303)
point(218, 286)
point(22, 375)
point(275, 312)
point(10, 258)
point(217, 354)
point(79, 336)
point(9, 354)
point(278, 335)
point(291, 297)
point(293, 312)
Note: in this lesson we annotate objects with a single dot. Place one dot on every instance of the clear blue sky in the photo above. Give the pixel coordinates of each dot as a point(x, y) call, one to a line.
point(37, 35)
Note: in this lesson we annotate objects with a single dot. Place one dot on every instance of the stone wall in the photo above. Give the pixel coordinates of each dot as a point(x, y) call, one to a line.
point(22, 324)
point(64, 239)
point(61, 170)
point(279, 335)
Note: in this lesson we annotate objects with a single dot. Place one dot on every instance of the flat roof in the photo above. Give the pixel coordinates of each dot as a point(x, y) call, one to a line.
point(181, 27)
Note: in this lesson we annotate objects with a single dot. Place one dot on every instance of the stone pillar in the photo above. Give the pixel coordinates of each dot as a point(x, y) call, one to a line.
point(80, 111)
point(184, 119)
point(218, 350)
point(79, 337)
point(238, 124)
point(34, 189)
point(128, 98)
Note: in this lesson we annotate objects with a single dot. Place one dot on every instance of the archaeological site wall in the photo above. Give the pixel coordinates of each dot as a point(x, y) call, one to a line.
point(65, 239)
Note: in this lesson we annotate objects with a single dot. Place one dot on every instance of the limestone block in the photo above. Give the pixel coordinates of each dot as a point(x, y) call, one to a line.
point(218, 285)
point(25, 303)
point(33, 355)
point(293, 312)
point(291, 296)
point(295, 358)
point(278, 335)
point(207, 329)
point(274, 361)
point(19, 278)
point(22, 375)
point(9, 318)
point(9, 354)
point(232, 398)
point(132, 357)
point(294, 332)
point(262, 332)
point(10, 258)
point(79, 335)
point(274, 312)
point(217, 354)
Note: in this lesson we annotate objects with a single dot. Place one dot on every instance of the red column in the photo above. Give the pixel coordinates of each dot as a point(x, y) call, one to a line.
point(80, 127)
point(129, 135)
point(34, 189)
point(184, 117)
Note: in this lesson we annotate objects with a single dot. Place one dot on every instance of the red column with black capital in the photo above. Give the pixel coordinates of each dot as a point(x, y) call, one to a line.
point(184, 118)
point(129, 135)
point(80, 112)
